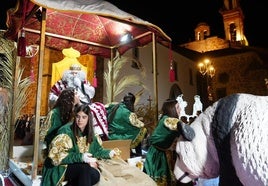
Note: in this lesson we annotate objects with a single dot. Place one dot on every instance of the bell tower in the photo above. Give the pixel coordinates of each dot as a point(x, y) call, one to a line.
point(233, 19)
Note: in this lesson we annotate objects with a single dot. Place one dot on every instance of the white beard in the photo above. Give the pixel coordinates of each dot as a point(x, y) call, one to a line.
point(69, 78)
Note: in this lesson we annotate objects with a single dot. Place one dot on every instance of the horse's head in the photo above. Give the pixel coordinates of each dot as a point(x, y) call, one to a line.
point(197, 158)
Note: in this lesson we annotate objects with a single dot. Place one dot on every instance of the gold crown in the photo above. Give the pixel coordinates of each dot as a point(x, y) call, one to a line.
point(75, 67)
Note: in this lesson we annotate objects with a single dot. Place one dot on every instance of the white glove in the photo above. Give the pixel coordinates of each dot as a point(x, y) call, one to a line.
point(52, 97)
point(77, 82)
point(115, 152)
point(42, 145)
point(90, 90)
point(112, 153)
point(86, 157)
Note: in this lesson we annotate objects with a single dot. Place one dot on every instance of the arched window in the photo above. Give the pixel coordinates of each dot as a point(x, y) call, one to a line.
point(175, 91)
point(233, 32)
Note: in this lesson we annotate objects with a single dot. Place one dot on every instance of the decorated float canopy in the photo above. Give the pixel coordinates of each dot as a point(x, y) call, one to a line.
point(91, 27)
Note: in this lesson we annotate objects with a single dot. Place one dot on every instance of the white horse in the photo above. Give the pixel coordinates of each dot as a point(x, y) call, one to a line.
point(231, 139)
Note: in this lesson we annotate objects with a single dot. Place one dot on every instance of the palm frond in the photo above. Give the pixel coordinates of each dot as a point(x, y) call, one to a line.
point(19, 88)
point(6, 69)
point(112, 81)
point(23, 92)
point(118, 64)
point(125, 82)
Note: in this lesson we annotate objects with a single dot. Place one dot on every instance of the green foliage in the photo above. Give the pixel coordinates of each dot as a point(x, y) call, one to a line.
point(14, 93)
point(16, 86)
point(147, 113)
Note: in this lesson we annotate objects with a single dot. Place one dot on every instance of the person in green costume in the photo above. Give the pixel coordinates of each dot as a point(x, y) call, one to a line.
point(124, 124)
point(73, 153)
point(162, 141)
point(60, 114)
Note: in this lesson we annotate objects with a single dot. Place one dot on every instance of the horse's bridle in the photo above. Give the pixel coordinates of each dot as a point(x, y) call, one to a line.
point(183, 176)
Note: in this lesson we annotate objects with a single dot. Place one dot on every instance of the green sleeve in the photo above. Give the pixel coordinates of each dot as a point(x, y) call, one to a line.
point(164, 133)
point(62, 151)
point(51, 125)
point(97, 149)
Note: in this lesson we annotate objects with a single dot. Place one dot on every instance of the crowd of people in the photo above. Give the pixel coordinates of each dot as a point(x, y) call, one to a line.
point(75, 128)
point(72, 134)
point(73, 147)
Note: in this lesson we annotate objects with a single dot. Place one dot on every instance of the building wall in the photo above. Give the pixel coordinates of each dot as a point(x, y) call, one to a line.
point(208, 44)
point(240, 73)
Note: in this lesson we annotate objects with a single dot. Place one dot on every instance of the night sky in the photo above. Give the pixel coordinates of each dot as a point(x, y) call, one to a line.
point(178, 19)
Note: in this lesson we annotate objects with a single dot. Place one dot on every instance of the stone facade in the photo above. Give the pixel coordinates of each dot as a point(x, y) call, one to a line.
point(206, 45)
point(239, 68)
point(239, 73)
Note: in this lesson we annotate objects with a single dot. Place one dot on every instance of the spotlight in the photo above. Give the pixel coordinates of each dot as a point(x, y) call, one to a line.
point(126, 38)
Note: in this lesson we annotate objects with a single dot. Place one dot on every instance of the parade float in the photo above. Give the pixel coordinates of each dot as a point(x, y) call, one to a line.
point(38, 26)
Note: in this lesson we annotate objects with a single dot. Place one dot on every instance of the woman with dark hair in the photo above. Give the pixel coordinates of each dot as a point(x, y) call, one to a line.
point(129, 101)
point(60, 114)
point(73, 153)
point(75, 77)
point(163, 137)
point(124, 124)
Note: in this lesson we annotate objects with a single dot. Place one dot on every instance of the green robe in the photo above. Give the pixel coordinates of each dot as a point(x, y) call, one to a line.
point(125, 125)
point(156, 163)
point(63, 150)
point(50, 127)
